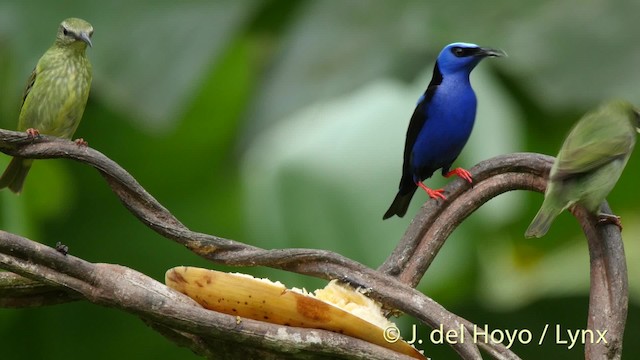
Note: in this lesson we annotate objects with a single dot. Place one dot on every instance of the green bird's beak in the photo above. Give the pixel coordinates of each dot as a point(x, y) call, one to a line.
point(83, 36)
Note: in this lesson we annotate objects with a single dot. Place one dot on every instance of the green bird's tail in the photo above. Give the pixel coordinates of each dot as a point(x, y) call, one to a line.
point(542, 222)
point(15, 174)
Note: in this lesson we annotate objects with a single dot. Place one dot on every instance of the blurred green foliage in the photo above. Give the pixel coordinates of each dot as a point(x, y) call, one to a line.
point(281, 124)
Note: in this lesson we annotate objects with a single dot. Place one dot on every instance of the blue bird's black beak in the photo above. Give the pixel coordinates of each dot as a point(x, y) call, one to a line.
point(488, 52)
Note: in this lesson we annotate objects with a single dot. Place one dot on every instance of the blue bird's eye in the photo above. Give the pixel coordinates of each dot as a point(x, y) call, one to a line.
point(458, 51)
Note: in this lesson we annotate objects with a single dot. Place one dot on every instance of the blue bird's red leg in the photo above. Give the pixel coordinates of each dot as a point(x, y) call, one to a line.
point(461, 173)
point(434, 194)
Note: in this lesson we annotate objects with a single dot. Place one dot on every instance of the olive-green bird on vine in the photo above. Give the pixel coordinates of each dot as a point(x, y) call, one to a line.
point(56, 94)
point(589, 164)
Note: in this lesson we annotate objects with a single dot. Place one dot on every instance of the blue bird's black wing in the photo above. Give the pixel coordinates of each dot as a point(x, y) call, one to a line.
point(418, 119)
point(407, 184)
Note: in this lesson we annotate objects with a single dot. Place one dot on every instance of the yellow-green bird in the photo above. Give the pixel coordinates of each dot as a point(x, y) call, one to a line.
point(589, 164)
point(56, 94)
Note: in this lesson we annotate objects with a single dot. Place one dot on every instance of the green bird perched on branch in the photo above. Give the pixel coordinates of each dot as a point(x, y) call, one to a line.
point(589, 164)
point(56, 94)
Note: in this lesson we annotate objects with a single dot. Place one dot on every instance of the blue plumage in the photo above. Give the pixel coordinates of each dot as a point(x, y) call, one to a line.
point(441, 123)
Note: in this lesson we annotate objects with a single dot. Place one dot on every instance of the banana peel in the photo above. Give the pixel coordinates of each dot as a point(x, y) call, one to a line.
point(334, 308)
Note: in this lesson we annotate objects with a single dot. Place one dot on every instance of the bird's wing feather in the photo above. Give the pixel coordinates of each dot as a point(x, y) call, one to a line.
point(419, 117)
point(27, 89)
point(581, 154)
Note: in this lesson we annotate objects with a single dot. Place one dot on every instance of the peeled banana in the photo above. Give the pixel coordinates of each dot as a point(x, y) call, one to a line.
point(335, 308)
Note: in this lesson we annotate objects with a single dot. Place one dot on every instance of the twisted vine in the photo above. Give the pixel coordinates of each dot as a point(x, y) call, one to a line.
point(46, 276)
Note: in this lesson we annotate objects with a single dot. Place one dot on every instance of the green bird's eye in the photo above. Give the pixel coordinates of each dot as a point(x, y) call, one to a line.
point(65, 31)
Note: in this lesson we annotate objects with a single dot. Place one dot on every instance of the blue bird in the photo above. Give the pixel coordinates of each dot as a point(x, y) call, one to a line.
point(441, 123)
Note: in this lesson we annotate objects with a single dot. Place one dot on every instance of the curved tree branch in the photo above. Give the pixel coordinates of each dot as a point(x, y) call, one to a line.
point(432, 226)
point(319, 263)
point(200, 329)
point(608, 298)
point(395, 290)
point(436, 220)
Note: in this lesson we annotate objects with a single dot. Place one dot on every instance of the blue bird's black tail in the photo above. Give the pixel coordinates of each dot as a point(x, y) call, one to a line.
point(401, 202)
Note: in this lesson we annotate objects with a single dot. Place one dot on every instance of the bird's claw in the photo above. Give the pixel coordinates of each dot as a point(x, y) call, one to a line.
point(460, 172)
point(80, 142)
point(33, 133)
point(434, 194)
point(604, 219)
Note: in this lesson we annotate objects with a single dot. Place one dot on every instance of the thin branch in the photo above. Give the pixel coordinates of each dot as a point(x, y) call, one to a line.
point(608, 298)
point(19, 292)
